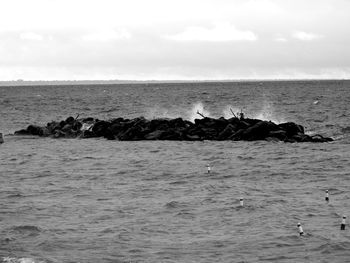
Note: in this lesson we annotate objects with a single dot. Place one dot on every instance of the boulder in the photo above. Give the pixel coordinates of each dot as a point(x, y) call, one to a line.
point(35, 130)
point(159, 124)
point(52, 126)
point(259, 131)
point(193, 137)
point(22, 132)
point(155, 135)
point(207, 122)
point(134, 133)
point(227, 132)
point(291, 128)
point(87, 134)
point(272, 139)
point(101, 128)
point(172, 135)
point(278, 134)
point(320, 138)
point(237, 136)
point(59, 134)
point(70, 120)
point(300, 137)
point(174, 129)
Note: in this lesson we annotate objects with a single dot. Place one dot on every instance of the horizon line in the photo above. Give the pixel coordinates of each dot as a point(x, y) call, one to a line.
point(125, 81)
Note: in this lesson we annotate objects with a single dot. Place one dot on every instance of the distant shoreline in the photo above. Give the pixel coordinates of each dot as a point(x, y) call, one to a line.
point(116, 82)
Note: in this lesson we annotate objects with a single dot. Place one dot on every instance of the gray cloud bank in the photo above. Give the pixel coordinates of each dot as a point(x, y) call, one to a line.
point(226, 40)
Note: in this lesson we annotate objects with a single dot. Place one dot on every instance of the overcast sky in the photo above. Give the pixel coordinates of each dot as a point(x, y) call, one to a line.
point(178, 39)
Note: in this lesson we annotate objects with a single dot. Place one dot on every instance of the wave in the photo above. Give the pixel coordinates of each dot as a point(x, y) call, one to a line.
point(173, 204)
point(20, 260)
point(345, 129)
point(17, 195)
point(26, 230)
point(110, 110)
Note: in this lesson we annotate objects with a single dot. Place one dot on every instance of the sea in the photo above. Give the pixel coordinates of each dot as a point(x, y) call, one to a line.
point(95, 200)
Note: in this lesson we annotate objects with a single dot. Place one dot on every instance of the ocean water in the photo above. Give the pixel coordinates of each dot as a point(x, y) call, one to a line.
point(93, 200)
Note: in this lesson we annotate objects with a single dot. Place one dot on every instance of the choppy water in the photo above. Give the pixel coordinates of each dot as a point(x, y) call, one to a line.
point(93, 200)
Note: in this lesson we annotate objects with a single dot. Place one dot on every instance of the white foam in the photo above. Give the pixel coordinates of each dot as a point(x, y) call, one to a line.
point(267, 113)
point(198, 107)
point(20, 260)
point(227, 111)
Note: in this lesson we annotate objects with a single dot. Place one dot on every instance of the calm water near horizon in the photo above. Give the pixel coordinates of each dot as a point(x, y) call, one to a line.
point(93, 200)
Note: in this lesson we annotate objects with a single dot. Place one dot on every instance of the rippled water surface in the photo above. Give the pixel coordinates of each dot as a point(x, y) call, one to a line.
point(93, 200)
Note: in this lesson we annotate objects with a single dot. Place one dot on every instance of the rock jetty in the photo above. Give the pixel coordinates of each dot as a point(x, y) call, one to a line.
point(206, 128)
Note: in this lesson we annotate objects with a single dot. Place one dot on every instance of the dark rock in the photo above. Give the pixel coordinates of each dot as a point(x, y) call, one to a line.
point(109, 134)
point(87, 134)
point(175, 129)
point(300, 137)
point(62, 124)
point(101, 128)
point(67, 127)
point(77, 125)
point(59, 134)
point(46, 131)
point(249, 122)
point(88, 119)
point(320, 138)
point(70, 120)
point(159, 124)
point(117, 120)
point(35, 130)
point(179, 123)
point(211, 123)
point(22, 132)
point(155, 135)
point(116, 128)
point(52, 126)
point(272, 139)
point(227, 132)
point(193, 137)
point(237, 136)
point(279, 134)
point(173, 135)
point(209, 133)
point(195, 130)
point(259, 131)
point(291, 128)
point(134, 133)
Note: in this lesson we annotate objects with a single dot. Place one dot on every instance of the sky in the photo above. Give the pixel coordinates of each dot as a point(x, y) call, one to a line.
point(174, 40)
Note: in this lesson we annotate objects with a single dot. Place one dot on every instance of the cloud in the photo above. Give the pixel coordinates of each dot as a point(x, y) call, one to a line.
point(31, 36)
point(107, 35)
point(304, 36)
point(280, 39)
point(220, 32)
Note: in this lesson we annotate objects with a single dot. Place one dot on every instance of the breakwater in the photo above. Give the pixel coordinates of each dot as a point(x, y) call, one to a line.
point(177, 129)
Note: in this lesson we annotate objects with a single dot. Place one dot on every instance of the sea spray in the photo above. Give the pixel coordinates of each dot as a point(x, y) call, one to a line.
point(198, 107)
point(227, 111)
point(176, 112)
point(267, 113)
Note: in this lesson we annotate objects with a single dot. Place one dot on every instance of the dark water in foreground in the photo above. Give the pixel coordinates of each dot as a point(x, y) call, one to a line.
point(94, 200)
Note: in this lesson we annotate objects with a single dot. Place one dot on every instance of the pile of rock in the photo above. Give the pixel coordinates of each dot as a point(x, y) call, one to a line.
point(174, 129)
